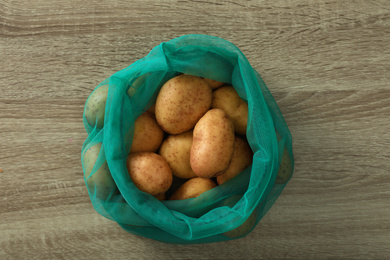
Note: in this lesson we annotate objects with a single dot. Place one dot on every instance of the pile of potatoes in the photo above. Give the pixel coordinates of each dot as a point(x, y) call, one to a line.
point(191, 140)
point(194, 134)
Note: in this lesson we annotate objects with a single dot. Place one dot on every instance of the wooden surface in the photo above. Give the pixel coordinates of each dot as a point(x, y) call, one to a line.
point(326, 62)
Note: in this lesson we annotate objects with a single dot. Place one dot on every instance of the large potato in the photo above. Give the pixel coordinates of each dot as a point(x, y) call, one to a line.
point(180, 103)
point(213, 144)
point(227, 99)
point(149, 172)
point(242, 158)
point(147, 134)
point(100, 182)
point(95, 106)
point(176, 151)
point(192, 188)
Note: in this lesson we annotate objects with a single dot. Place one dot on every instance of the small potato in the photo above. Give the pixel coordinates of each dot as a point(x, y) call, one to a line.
point(176, 151)
point(227, 99)
point(95, 107)
point(149, 172)
point(213, 144)
point(181, 102)
point(192, 188)
point(242, 158)
point(137, 84)
point(285, 170)
point(148, 135)
point(213, 83)
point(100, 182)
point(245, 227)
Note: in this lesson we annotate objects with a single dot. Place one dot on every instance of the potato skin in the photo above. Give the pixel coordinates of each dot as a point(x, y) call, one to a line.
point(95, 107)
point(148, 135)
point(176, 151)
point(152, 109)
point(227, 99)
point(245, 227)
point(161, 196)
point(192, 188)
point(213, 83)
point(100, 183)
point(242, 158)
point(285, 170)
point(149, 172)
point(180, 103)
point(213, 144)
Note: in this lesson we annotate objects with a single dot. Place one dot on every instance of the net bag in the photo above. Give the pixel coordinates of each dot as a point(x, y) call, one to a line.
point(228, 211)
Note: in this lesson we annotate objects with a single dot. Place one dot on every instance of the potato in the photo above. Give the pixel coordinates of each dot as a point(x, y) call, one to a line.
point(245, 227)
point(242, 158)
point(212, 145)
point(176, 151)
point(285, 170)
point(100, 182)
point(227, 99)
point(213, 83)
point(149, 172)
point(181, 102)
point(192, 188)
point(161, 196)
point(148, 135)
point(95, 107)
point(152, 109)
point(96, 103)
point(137, 84)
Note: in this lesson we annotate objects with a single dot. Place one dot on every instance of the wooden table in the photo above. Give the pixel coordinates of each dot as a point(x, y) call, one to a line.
point(326, 63)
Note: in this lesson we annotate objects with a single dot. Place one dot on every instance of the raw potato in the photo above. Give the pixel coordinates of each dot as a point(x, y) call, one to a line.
point(152, 109)
point(95, 107)
point(213, 144)
point(99, 183)
point(176, 151)
point(147, 134)
point(213, 83)
point(285, 169)
point(227, 99)
point(137, 84)
point(96, 103)
point(149, 172)
point(181, 102)
point(245, 227)
point(242, 158)
point(161, 196)
point(192, 188)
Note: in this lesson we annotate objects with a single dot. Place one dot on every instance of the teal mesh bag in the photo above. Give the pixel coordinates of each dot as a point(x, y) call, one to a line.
point(230, 210)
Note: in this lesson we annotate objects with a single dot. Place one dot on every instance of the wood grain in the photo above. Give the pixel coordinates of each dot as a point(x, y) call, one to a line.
point(326, 62)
